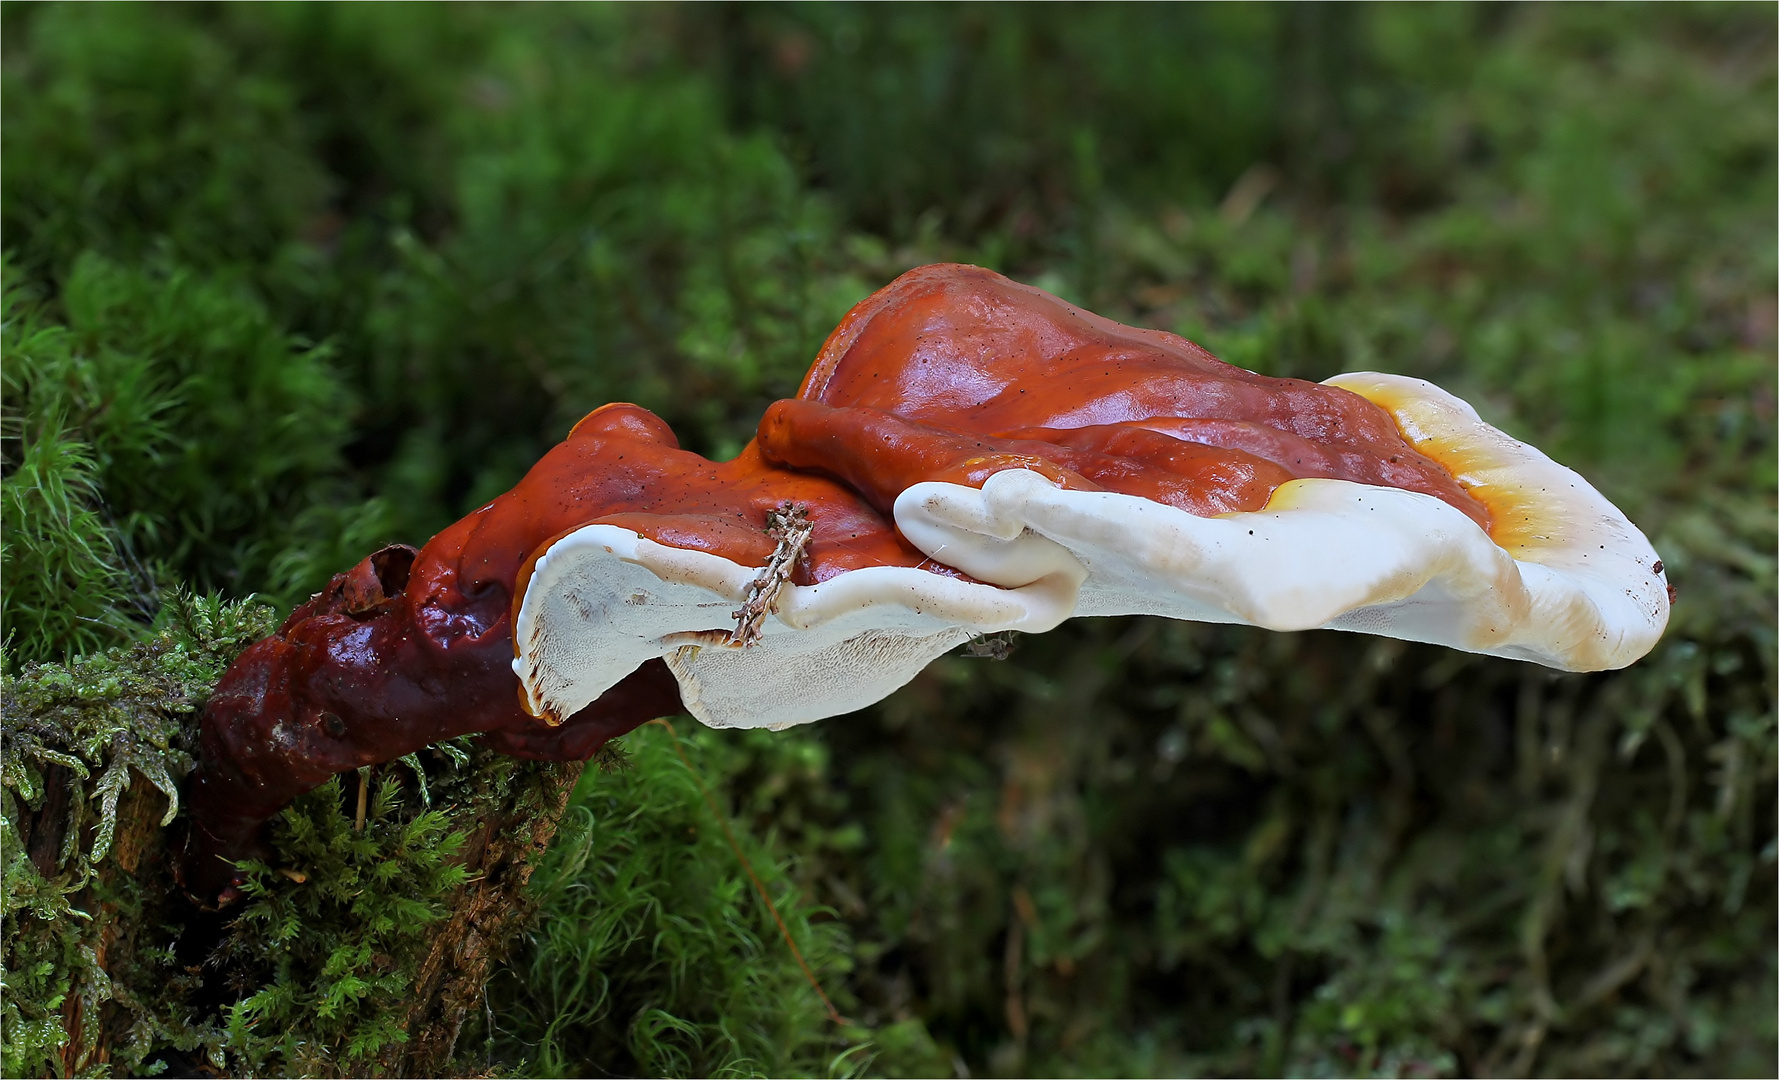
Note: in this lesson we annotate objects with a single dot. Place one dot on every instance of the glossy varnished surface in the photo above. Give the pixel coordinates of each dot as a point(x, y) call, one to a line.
point(971, 352)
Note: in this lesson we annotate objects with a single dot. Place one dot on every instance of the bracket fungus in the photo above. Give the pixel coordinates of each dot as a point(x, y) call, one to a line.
point(967, 455)
point(1197, 490)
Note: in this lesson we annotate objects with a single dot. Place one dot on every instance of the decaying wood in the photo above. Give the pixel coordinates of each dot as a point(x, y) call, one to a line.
point(97, 1022)
point(484, 917)
point(487, 913)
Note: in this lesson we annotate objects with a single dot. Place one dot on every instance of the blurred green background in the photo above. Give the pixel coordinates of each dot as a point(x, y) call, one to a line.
point(286, 282)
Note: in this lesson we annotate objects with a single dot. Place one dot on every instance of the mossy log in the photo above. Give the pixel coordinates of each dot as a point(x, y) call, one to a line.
point(361, 947)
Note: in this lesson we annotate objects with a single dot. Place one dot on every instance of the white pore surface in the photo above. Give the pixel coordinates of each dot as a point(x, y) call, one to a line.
point(1592, 575)
point(602, 600)
point(1581, 596)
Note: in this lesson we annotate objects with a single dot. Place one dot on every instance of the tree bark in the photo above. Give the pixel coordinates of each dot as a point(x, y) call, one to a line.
point(96, 1015)
point(486, 915)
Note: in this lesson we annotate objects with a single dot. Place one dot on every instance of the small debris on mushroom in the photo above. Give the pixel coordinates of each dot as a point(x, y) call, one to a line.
point(789, 527)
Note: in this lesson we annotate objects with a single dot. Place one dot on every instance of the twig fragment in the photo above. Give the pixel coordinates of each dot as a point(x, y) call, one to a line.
point(790, 526)
point(364, 790)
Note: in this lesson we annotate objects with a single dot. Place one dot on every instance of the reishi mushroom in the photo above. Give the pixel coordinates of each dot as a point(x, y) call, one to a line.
point(967, 455)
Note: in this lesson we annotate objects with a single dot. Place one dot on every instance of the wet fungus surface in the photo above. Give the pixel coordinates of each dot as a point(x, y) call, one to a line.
point(966, 455)
point(958, 353)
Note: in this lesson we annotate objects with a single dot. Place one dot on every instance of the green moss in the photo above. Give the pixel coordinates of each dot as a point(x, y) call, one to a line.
point(104, 722)
point(165, 431)
point(147, 133)
point(654, 954)
point(67, 587)
point(332, 954)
